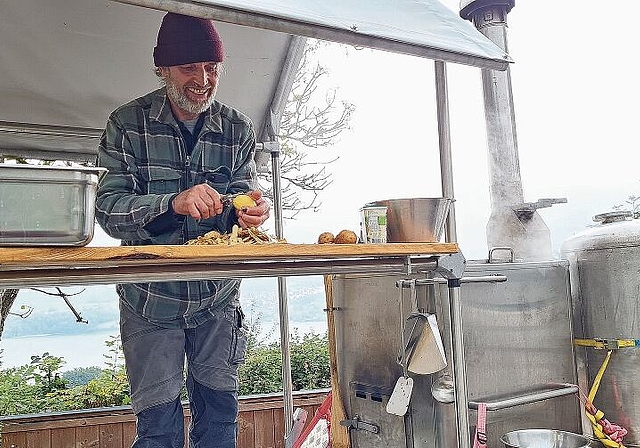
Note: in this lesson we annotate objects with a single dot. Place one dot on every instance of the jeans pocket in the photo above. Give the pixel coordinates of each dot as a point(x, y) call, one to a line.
point(238, 348)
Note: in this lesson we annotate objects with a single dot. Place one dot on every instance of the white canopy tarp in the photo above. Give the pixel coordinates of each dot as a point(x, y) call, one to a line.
point(420, 27)
point(423, 23)
point(68, 64)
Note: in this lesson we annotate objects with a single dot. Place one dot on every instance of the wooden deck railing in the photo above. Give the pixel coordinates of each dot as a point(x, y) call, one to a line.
point(261, 425)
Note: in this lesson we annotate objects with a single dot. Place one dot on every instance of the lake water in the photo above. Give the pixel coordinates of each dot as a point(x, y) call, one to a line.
point(88, 350)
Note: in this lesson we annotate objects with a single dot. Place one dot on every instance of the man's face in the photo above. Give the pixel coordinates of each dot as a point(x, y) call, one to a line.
point(191, 88)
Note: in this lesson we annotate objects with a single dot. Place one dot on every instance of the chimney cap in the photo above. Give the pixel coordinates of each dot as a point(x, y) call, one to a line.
point(470, 7)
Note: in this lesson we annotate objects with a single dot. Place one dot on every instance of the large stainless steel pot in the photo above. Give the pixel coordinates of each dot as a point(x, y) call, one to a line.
point(604, 265)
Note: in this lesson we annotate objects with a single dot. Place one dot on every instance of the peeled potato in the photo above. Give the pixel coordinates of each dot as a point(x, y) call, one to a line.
point(325, 238)
point(243, 201)
point(346, 237)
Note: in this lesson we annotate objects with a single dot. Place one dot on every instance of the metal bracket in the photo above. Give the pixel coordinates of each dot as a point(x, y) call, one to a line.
point(451, 266)
point(357, 424)
point(262, 157)
point(525, 211)
point(408, 267)
point(271, 146)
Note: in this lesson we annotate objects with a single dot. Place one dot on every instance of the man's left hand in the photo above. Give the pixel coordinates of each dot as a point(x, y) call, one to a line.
point(254, 216)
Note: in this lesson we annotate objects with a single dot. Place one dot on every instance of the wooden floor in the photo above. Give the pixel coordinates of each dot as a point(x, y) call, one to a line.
point(261, 425)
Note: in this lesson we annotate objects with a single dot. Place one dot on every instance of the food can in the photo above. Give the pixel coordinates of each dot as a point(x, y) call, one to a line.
point(374, 224)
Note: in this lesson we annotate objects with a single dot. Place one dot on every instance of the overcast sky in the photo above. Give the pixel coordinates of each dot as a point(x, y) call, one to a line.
point(575, 86)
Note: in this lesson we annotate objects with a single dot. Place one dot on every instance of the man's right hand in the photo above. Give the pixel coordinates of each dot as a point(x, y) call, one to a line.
point(200, 202)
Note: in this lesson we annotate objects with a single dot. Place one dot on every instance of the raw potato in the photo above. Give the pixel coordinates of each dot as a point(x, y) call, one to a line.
point(346, 237)
point(243, 201)
point(325, 238)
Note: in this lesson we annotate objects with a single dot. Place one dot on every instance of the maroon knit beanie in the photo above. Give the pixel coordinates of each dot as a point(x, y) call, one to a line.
point(185, 40)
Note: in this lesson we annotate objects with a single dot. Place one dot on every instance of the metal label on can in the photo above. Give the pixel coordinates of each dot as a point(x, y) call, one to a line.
point(374, 224)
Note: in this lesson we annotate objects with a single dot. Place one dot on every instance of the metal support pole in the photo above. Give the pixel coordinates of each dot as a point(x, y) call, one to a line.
point(286, 358)
point(444, 139)
point(452, 418)
point(445, 416)
point(282, 297)
point(459, 367)
point(271, 128)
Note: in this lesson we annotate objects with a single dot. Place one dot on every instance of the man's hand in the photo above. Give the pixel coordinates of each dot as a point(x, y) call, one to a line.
point(254, 216)
point(200, 202)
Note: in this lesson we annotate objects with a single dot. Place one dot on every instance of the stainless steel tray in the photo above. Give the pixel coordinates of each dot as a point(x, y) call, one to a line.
point(47, 206)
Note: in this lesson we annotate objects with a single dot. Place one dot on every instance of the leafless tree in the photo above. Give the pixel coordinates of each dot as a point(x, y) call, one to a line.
point(7, 297)
point(313, 119)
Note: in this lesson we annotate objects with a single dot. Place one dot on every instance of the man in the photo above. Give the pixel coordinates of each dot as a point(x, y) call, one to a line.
point(171, 154)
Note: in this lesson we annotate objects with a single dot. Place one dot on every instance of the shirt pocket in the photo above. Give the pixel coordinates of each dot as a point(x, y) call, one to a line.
point(161, 180)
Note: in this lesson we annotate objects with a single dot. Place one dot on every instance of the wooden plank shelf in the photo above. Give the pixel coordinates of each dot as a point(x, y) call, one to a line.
point(53, 266)
point(11, 257)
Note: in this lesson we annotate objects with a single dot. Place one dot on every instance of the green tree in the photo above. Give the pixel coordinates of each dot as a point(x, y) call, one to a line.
point(115, 357)
point(262, 371)
point(80, 376)
point(41, 387)
point(109, 389)
point(310, 361)
point(18, 392)
point(25, 389)
point(46, 372)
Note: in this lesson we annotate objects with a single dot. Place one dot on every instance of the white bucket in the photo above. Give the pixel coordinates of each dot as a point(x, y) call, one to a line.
point(374, 224)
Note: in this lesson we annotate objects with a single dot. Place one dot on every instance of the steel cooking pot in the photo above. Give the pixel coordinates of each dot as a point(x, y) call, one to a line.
point(543, 438)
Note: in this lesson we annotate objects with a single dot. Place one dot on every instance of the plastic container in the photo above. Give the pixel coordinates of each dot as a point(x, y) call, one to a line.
point(374, 224)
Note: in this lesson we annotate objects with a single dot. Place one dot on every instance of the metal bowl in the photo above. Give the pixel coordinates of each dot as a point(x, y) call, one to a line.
point(415, 220)
point(543, 438)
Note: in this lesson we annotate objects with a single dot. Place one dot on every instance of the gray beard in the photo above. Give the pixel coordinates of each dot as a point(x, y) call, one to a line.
point(179, 99)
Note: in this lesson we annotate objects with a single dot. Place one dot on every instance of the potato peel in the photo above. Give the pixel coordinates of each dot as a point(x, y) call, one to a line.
point(250, 235)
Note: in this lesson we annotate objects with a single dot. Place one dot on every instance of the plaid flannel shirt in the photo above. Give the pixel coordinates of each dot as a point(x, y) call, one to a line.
point(148, 163)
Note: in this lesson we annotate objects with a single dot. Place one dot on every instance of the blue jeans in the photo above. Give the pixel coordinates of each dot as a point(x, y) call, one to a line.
point(154, 358)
